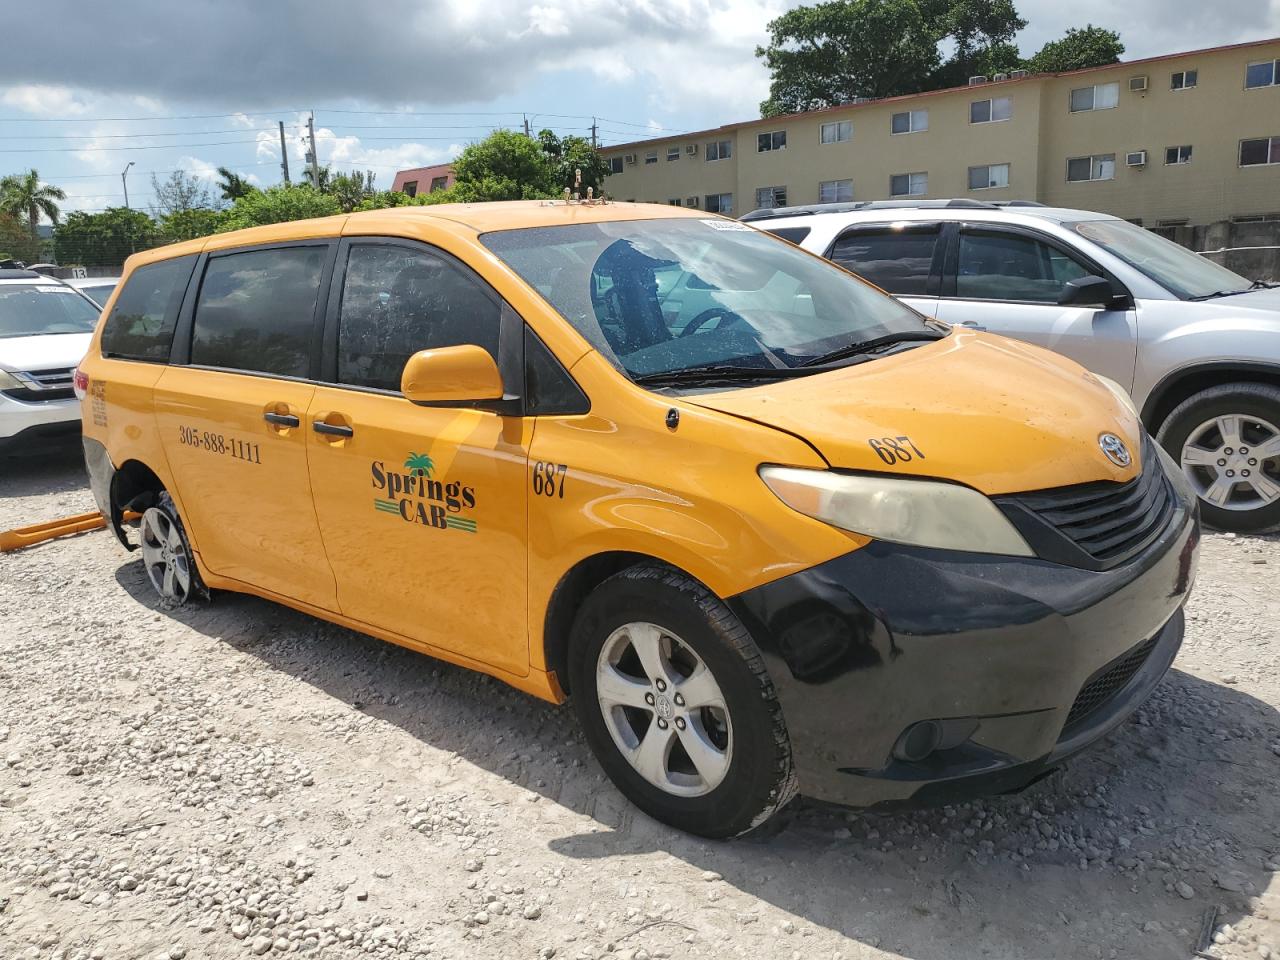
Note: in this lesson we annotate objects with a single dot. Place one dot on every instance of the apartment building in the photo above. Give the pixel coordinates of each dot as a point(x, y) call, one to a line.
point(1188, 138)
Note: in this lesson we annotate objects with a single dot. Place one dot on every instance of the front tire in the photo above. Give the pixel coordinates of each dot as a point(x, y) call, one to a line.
point(677, 705)
point(1227, 440)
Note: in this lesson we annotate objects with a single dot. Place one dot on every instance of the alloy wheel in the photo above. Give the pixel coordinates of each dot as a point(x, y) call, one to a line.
point(164, 555)
point(1233, 462)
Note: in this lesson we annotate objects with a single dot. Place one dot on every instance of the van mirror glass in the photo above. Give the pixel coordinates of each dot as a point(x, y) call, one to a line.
point(459, 374)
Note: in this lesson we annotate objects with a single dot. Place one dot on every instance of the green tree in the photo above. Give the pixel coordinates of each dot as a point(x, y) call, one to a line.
point(178, 192)
point(352, 189)
point(231, 186)
point(103, 239)
point(16, 242)
point(504, 166)
point(22, 195)
point(567, 155)
point(278, 204)
point(188, 225)
point(1088, 47)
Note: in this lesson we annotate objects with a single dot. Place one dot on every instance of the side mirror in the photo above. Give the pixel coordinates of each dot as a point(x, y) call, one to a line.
point(1090, 291)
point(459, 374)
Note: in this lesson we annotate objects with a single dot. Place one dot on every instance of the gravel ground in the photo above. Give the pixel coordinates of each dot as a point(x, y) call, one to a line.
point(240, 780)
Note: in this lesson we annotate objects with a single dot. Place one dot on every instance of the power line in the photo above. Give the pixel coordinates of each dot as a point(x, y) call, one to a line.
point(189, 116)
point(120, 136)
point(150, 146)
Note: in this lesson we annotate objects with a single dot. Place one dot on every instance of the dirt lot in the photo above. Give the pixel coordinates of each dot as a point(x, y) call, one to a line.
point(238, 779)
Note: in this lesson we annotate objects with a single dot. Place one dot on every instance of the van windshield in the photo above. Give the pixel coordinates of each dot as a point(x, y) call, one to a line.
point(1186, 275)
point(28, 309)
point(658, 297)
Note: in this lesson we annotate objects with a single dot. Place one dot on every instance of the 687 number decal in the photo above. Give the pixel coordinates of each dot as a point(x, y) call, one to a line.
point(548, 479)
point(895, 449)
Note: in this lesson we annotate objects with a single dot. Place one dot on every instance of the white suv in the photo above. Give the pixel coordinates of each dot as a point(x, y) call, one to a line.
point(45, 327)
point(1196, 345)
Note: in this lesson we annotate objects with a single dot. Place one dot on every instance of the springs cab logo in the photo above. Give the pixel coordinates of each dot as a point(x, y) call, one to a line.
point(416, 497)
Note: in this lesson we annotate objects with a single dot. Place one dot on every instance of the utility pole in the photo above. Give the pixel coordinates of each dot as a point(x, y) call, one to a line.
point(315, 159)
point(593, 133)
point(284, 154)
point(526, 126)
point(124, 181)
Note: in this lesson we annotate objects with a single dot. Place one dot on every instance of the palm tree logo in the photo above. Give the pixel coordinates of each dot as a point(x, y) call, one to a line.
point(419, 465)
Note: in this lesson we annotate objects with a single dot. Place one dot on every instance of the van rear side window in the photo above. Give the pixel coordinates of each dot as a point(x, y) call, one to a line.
point(141, 323)
point(256, 311)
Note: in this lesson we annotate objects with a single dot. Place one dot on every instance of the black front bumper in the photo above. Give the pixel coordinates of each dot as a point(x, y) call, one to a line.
point(864, 646)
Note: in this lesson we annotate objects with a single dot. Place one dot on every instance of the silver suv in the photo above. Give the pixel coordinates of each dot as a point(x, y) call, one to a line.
point(1197, 346)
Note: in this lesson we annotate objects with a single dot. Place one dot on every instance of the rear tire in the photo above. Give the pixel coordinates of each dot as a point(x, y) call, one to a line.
point(716, 762)
point(1227, 440)
point(167, 557)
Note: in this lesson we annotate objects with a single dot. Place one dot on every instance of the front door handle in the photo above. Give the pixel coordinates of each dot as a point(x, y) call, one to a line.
point(971, 324)
point(332, 429)
point(281, 419)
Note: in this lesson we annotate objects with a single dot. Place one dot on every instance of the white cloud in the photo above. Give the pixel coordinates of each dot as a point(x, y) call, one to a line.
point(45, 100)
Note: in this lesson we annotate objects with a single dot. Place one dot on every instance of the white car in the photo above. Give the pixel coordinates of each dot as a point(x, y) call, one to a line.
point(97, 289)
point(1197, 346)
point(45, 327)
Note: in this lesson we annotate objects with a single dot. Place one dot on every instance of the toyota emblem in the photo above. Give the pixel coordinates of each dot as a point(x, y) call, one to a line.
point(1115, 449)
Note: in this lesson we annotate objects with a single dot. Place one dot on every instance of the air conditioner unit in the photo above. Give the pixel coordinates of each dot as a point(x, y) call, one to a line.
point(691, 149)
point(630, 158)
point(1138, 158)
point(1018, 74)
point(1137, 84)
point(1000, 76)
point(977, 81)
point(690, 201)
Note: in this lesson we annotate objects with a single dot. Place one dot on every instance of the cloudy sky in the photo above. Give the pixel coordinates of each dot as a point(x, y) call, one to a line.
point(203, 83)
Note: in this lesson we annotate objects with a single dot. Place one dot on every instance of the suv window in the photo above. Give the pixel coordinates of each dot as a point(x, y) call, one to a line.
point(256, 311)
point(897, 260)
point(398, 300)
point(1007, 266)
point(141, 323)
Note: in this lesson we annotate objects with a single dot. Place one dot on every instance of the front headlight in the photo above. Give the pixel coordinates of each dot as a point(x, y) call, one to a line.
point(1120, 392)
point(920, 512)
point(9, 382)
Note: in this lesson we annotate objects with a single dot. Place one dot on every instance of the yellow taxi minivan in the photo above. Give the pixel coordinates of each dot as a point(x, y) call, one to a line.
point(770, 529)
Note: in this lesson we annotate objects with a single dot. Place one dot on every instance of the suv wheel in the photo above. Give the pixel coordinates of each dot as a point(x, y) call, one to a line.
point(1227, 439)
point(167, 556)
point(677, 705)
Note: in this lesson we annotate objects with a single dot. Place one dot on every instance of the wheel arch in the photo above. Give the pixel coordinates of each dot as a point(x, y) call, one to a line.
point(1188, 381)
point(134, 486)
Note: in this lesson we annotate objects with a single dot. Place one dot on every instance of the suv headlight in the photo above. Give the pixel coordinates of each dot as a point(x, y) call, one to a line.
point(9, 382)
point(925, 513)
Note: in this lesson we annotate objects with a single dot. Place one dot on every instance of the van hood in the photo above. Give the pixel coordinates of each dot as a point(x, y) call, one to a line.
point(49, 351)
point(995, 414)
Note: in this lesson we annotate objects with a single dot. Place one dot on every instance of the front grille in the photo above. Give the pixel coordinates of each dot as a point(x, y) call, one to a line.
point(44, 386)
point(1108, 522)
point(1108, 681)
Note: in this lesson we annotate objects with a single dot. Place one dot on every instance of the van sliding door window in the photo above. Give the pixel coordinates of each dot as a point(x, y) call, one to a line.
point(256, 311)
point(397, 301)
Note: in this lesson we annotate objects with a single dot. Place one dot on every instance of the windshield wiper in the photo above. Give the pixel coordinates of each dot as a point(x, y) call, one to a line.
point(1263, 285)
point(875, 343)
point(717, 373)
point(1222, 293)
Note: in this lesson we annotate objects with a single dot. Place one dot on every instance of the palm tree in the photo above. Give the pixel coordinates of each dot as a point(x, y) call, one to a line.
point(232, 185)
point(419, 464)
point(23, 195)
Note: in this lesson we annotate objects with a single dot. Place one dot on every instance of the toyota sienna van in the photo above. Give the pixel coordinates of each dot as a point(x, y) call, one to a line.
point(769, 528)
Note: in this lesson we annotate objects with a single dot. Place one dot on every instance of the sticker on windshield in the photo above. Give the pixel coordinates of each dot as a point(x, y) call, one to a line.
point(733, 225)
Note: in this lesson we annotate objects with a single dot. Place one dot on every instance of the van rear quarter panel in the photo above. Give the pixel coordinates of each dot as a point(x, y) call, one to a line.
point(688, 496)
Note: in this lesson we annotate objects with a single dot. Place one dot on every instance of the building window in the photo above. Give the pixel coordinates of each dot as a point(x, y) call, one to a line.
point(989, 176)
point(615, 164)
point(719, 149)
point(1265, 73)
point(410, 188)
point(439, 183)
point(769, 197)
point(718, 203)
point(673, 153)
point(835, 191)
point(1103, 96)
point(1101, 167)
point(913, 121)
point(1260, 152)
point(675, 203)
point(991, 111)
point(651, 157)
point(1173, 155)
point(771, 141)
point(1183, 80)
point(838, 131)
point(908, 185)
